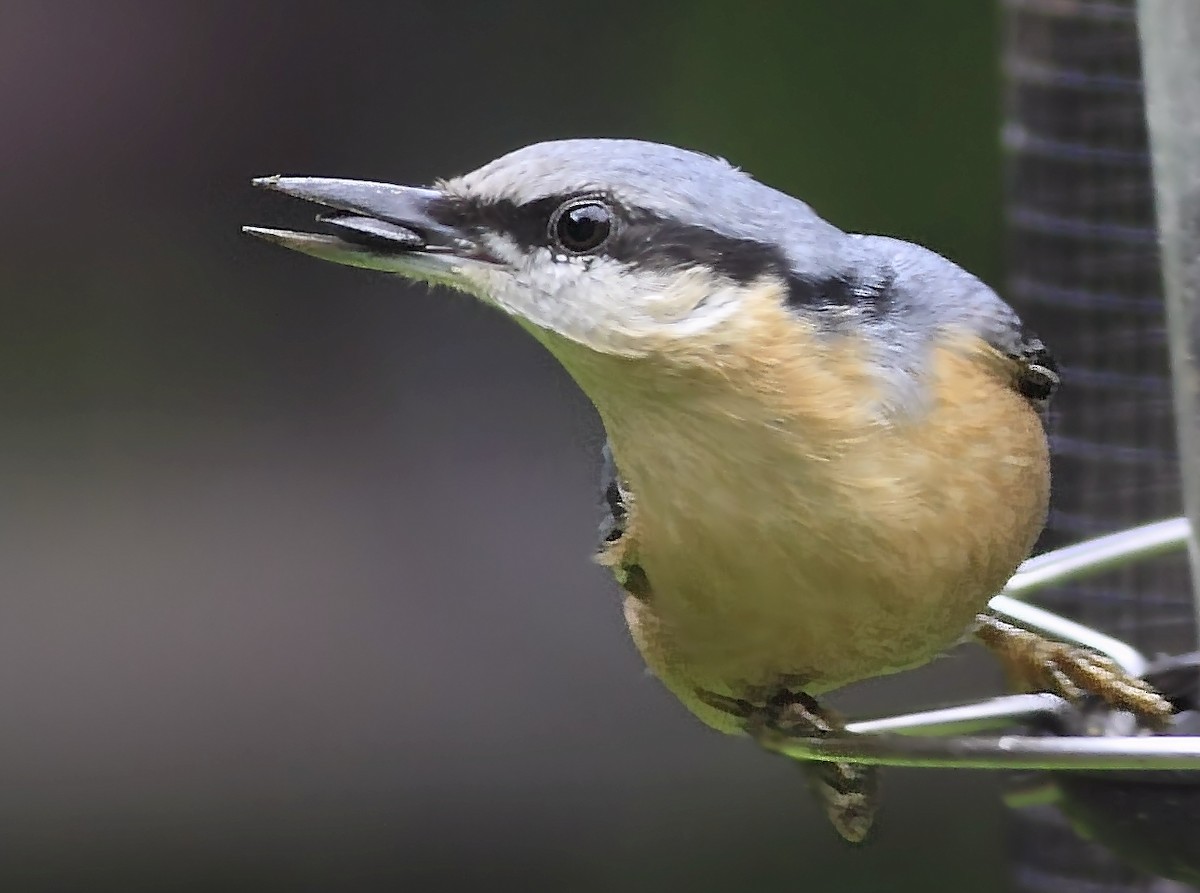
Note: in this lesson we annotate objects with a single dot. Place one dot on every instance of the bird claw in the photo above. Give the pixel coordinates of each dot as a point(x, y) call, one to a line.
point(848, 792)
point(1071, 672)
point(735, 707)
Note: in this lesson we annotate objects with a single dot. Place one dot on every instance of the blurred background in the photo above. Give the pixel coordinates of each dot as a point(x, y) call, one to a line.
point(296, 570)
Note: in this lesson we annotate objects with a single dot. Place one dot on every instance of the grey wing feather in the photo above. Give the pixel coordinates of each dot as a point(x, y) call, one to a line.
point(920, 293)
point(616, 504)
point(612, 525)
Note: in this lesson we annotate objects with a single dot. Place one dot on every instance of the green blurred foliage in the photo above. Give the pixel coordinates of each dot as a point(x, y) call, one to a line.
point(885, 119)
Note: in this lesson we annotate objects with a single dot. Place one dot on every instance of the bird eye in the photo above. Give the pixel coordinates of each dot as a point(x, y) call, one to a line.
point(581, 226)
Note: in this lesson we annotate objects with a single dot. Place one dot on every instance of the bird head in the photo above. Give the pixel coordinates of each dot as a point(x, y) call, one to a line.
point(619, 246)
point(606, 248)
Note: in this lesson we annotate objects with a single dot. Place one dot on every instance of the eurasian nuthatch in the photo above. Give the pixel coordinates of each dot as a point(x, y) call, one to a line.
point(830, 446)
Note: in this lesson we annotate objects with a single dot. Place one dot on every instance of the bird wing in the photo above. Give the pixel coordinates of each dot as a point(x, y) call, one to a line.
point(1037, 370)
point(618, 547)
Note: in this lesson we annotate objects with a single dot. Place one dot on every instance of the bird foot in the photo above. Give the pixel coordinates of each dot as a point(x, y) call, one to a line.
point(848, 792)
point(1070, 672)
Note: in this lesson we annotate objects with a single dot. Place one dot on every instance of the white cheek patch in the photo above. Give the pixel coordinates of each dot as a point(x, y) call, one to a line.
point(604, 304)
point(502, 247)
point(694, 301)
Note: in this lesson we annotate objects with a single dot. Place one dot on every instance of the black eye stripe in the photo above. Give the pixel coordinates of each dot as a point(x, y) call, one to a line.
point(655, 242)
point(524, 224)
point(649, 241)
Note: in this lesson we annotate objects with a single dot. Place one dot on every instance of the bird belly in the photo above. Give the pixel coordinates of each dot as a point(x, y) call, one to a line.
point(784, 535)
point(772, 574)
point(775, 615)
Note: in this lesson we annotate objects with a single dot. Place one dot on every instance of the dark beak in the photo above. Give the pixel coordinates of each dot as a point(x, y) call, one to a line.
point(400, 229)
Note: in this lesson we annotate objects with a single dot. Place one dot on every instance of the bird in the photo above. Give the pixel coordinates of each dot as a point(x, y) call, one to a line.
point(825, 450)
